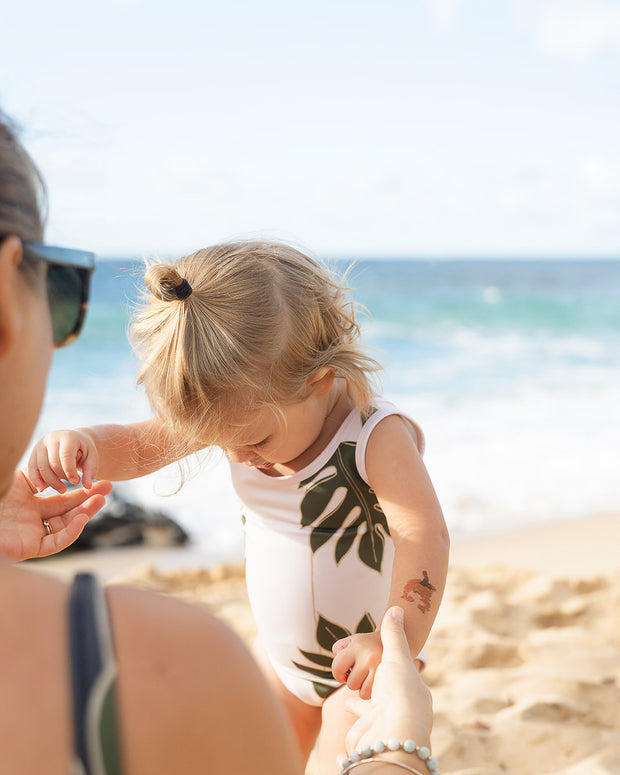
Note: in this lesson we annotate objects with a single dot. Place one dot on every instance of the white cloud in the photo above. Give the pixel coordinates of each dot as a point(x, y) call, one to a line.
point(577, 207)
point(575, 29)
point(601, 176)
point(445, 11)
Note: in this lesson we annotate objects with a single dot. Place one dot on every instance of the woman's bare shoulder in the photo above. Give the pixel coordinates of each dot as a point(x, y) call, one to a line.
point(190, 693)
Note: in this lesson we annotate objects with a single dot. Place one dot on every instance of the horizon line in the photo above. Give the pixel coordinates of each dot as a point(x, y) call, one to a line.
point(411, 257)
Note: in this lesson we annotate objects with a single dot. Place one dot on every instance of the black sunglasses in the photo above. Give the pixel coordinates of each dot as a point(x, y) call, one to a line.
point(68, 287)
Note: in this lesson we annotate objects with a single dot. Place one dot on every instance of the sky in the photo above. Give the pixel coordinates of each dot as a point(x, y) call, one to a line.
point(423, 128)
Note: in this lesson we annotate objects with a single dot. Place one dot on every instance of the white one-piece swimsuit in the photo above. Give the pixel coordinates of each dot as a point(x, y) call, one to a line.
point(318, 555)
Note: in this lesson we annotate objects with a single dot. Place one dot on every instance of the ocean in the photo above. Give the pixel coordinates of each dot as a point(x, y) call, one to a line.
point(512, 368)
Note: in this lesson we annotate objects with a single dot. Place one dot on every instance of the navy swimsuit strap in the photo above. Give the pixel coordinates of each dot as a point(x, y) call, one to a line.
point(93, 672)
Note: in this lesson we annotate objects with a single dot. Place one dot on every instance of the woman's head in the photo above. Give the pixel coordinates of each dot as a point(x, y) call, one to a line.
point(261, 320)
point(43, 296)
point(25, 332)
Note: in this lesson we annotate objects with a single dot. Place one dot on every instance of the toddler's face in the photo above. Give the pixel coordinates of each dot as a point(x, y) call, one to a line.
point(269, 438)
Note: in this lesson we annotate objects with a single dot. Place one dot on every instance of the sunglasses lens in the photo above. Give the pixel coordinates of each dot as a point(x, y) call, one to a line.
point(66, 292)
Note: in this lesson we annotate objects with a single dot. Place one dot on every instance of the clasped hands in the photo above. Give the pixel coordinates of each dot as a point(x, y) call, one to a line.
point(393, 700)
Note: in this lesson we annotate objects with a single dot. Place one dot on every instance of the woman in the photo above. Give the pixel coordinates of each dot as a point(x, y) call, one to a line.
point(138, 698)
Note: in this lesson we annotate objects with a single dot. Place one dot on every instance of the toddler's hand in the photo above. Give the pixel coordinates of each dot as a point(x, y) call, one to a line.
point(61, 455)
point(355, 661)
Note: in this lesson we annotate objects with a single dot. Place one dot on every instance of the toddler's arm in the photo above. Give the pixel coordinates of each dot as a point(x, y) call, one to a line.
point(405, 492)
point(114, 452)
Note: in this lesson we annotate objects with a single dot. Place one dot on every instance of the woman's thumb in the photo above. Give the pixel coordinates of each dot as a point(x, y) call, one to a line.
point(393, 636)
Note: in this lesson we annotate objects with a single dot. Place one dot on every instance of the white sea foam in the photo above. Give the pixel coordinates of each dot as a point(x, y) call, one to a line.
point(518, 393)
point(499, 463)
point(501, 452)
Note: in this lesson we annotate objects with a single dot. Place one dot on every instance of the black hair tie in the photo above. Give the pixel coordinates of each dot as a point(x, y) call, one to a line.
point(182, 290)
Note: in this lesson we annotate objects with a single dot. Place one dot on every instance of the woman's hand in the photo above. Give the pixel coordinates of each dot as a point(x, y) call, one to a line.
point(22, 513)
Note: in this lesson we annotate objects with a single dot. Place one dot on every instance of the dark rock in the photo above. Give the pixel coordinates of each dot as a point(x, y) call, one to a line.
point(123, 523)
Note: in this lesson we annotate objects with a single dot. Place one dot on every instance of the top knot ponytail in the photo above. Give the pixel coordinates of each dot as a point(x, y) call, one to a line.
point(264, 318)
point(166, 284)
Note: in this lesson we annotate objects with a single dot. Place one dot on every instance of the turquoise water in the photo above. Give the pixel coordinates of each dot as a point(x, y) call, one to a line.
point(512, 367)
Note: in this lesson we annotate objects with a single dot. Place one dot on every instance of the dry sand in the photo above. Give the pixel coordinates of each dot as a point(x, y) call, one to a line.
point(524, 656)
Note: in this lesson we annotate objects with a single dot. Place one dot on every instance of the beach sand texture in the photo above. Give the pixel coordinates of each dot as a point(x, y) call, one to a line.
point(524, 656)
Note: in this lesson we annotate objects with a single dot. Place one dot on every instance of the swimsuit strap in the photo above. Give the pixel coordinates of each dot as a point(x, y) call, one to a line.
point(93, 672)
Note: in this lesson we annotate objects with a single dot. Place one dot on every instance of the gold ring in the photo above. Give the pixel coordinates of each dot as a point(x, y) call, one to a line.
point(48, 527)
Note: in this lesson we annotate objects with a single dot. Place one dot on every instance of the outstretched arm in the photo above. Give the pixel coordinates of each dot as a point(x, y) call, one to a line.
point(113, 452)
point(23, 513)
point(405, 492)
point(421, 541)
point(136, 449)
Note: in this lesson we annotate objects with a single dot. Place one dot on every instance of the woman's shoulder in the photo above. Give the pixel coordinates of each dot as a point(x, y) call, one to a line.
point(189, 689)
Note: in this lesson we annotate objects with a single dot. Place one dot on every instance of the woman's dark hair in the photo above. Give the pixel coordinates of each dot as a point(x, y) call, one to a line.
point(23, 199)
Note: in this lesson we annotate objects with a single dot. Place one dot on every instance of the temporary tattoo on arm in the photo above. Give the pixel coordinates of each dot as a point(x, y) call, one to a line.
point(423, 589)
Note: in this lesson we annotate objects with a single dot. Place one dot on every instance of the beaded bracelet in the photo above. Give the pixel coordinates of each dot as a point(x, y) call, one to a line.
point(393, 744)
point(378, 760)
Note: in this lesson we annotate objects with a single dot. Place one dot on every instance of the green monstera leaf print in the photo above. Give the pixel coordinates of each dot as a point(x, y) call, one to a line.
point(327, 633)
point(358, 506)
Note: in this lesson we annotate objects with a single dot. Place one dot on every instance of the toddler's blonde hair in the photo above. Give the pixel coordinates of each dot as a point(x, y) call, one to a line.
point(261, 319)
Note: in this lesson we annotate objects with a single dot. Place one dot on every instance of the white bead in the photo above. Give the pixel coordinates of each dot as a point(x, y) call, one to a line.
point(379, 746)
point(366, 752)
point(393, 744)
point(409, 746)
point(424, 753)
point(354, 756)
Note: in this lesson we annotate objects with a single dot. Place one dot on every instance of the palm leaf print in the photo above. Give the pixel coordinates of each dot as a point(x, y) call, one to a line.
point(357, 503)
point(327, 633)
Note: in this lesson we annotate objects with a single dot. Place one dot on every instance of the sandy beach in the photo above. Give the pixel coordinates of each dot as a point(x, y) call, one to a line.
point(524, 656)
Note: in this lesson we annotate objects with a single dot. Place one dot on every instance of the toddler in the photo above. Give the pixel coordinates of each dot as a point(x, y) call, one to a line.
point(253, 347)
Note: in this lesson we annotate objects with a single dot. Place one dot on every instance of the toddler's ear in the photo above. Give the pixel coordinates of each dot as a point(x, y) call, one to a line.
point(322, 380)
